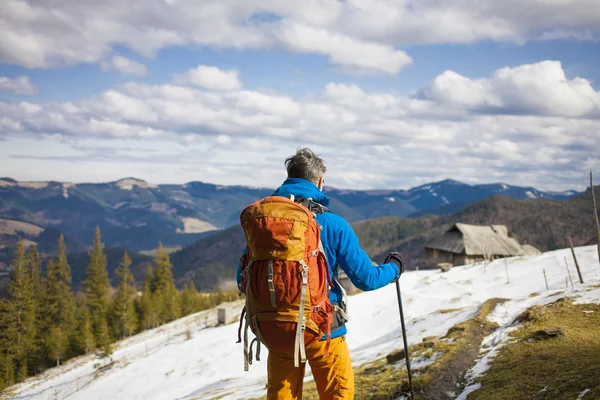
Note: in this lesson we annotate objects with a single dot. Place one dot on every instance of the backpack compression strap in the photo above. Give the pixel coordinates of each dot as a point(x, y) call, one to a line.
point(299, 345)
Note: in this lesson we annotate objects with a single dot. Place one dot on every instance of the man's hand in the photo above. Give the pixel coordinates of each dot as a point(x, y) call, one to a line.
point(397, 259)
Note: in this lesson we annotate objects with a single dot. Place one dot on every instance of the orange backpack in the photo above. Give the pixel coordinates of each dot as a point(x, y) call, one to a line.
point(285, 279)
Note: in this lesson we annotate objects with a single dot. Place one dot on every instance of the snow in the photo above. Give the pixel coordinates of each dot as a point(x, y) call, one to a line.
point(129, 183)
point(390, 199)
point(504, 186)
point(505, 314)
point(582, 394)
point(445, 200)
point(530, 195)
point(210, 364)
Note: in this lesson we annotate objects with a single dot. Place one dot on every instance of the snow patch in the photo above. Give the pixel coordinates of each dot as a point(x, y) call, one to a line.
point(65, 188)
point(391, 199)
point(468, 391)
point(530, 195)
point(445, 200)
point(129, 183)
point(504, 186)
point(4, 183)
point(32, 185)
point(582, 394)
point(195, 225)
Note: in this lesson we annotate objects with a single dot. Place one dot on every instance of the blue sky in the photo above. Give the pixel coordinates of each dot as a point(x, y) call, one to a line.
point(392, 94)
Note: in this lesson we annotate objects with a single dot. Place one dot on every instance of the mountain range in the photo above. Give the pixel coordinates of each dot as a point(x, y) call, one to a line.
point(210, 262)
point(137, 215)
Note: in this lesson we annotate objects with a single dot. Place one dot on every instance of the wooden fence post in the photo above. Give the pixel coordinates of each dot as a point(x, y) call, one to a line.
point(595, 209)
point(576, 263)
point(568, 271)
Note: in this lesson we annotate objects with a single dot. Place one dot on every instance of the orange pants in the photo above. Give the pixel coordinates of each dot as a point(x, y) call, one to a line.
point(333, 375)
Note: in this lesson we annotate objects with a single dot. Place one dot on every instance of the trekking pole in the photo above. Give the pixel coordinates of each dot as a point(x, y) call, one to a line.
point(407, 355)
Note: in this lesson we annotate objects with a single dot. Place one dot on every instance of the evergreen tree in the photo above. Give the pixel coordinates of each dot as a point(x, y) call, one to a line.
point(57, 309)
point(2, 383)
point(97, 291)
point(58, 343)
point(164, 287)
point(84, 334)
point(8, 371)
point(189, 299)
point(20, 329)
point(35, 269)
point(124, 317)
point(35, 272)
point(5, 357)
point(148, 310)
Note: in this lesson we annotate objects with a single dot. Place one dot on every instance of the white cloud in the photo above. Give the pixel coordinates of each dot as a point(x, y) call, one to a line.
point(211, 78)
point(540, 89)
point(20, 85)
point(355, 54)
point(467, 129)
point(125, 66)
point(358, 35)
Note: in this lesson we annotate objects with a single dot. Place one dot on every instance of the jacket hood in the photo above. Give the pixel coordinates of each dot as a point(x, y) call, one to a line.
point(301, 188)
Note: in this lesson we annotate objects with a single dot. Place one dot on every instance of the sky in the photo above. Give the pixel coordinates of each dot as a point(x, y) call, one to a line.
point(391, 93)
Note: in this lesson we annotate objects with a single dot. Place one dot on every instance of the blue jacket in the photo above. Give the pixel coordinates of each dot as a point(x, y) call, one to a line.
point(341, 246)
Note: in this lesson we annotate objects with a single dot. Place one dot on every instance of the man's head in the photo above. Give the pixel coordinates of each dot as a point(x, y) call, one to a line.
point(306, 165)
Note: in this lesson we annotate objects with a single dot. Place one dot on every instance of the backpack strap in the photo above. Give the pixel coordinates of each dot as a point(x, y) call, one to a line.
point(240, 327)
point(258, 338)
point(299, 346)
point(257, 350)
point(246, 358)
point(272, 285)
point(312, 205)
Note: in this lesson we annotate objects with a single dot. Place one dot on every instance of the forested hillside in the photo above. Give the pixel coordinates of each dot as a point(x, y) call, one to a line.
point(45, 319)
point(545, 224)
point(137, 215)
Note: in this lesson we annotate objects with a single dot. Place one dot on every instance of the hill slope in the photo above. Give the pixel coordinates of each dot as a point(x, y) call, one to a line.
point(545, 224)
point(162, 364)
point(136, 214)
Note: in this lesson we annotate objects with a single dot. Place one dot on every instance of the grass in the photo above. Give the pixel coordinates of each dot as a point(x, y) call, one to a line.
point(152, 252)
point(555, 368)
point(449, 310)
point(455, 353)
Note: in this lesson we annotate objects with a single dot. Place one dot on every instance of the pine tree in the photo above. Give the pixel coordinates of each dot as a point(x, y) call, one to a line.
point(8, 371)
point(35, 268)
point(35, 272)
point(124, 317)
point(57, 310)
point(189, 299)
point(5, 357)
point(2, 383)
point(20, 328)
point(97, 290)
point(58, 343)
point(148, 311)
point(84, 335)
point(169, 307)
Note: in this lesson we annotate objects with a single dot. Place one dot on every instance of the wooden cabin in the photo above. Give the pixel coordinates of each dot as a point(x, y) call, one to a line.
point(467, 244)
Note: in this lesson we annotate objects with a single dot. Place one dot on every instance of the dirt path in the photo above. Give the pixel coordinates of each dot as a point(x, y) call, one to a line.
point(445, 379)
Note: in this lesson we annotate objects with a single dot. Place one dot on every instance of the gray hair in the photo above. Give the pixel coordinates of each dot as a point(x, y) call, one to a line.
point(306, 165)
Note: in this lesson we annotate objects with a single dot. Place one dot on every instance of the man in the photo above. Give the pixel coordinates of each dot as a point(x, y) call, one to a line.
point(333, 374)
